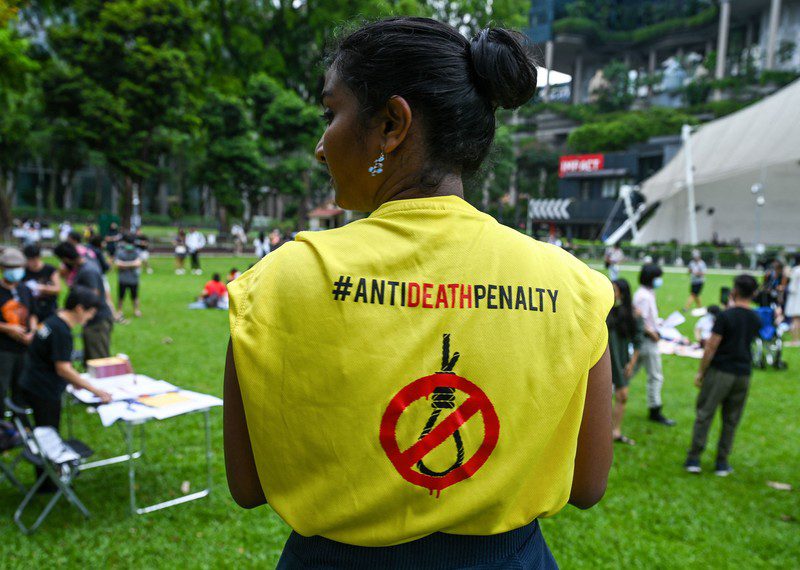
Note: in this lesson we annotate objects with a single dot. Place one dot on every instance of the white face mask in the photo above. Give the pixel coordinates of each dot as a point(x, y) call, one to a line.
point(658, 282)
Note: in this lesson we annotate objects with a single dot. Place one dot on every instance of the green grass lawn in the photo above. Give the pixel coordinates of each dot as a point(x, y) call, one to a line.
point(653, 515)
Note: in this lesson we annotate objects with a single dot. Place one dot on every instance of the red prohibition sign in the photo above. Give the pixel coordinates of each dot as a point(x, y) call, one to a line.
point(404, 461)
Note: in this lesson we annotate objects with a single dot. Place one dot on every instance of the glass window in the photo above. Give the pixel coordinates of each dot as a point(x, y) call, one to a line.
point(610, 188)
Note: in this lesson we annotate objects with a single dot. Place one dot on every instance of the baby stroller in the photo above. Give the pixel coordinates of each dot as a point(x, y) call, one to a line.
point(768, 346)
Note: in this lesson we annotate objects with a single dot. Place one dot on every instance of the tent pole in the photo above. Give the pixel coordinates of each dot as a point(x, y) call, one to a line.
point(686, 135)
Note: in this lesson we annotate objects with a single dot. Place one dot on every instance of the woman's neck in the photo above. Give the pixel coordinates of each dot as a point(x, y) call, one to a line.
point(449, 185)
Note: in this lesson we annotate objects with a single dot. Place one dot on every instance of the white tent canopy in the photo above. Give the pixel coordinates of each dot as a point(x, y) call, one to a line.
point(759, 144)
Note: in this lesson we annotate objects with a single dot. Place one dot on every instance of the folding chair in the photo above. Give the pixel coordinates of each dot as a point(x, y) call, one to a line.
point(59, 461)
point(9, 440)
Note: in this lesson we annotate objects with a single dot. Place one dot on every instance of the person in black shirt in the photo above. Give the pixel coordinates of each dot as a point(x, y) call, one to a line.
point(15, 321)
point(50, 363)
point(43, 281)
point(50, 358)
point(97, 332)
point(724, 375)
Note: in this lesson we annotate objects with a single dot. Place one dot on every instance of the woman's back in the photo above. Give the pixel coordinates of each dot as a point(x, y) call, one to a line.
point(349, 343)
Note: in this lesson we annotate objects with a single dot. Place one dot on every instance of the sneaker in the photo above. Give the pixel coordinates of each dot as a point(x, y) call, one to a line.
point(723, 469)
point(659, 418)
point(692, 466)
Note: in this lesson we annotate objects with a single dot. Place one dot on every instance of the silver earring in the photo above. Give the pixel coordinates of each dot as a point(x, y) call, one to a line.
point(377, 166)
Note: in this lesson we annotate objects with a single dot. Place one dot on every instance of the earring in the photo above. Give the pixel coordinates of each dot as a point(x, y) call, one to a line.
point(377, 166)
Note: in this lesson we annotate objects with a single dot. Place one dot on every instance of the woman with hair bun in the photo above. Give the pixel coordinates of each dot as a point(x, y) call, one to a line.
point(416, 388)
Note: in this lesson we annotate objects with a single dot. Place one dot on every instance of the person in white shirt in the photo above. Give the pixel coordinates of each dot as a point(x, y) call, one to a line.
point(195, 241)
point(614, 256)
point(697, 270)
point(702, 329)
point(261, 244)
point(793, 301)
point(644, 301)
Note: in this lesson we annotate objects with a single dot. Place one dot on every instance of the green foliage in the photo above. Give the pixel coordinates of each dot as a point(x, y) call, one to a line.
point(617, 96)
point(619, 131)
point(778, 78)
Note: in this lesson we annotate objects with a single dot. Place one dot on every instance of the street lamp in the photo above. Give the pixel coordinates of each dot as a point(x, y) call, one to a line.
point(757, 190)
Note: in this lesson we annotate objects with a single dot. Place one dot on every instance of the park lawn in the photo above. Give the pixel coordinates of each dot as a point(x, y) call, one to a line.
point(653, 516)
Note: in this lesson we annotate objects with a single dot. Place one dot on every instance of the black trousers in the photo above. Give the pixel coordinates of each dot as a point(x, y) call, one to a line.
point(195, 255)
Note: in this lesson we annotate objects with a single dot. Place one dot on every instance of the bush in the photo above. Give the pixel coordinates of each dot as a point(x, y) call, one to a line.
point(622, 130)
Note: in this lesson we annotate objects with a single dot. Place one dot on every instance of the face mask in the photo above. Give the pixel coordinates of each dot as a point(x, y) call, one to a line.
point(14, 275)
point(658, 282)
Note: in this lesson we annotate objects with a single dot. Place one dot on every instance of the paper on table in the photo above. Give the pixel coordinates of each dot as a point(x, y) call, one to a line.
point(164, 400)
point(194, 401)
point(123, 387)
point(126, 411)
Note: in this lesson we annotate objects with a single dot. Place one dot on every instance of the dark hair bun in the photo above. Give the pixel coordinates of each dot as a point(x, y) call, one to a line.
point(504, 71)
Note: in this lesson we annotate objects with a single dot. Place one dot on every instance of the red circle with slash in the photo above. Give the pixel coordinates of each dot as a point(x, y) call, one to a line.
point(404, 461)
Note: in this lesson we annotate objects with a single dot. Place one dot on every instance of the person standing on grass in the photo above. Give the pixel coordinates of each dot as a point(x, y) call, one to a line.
point(724, 375)
point(614, 256)
point(180, 252)
point(625, 330)
point(697, 271)
point(261, 245)
point(43, 281)
point(128, 266)
point(793, 301)
point(16, 305)
point(195, 242)
point(50, 367)
point(644, 301)
point(97, 332)
point(324, 386)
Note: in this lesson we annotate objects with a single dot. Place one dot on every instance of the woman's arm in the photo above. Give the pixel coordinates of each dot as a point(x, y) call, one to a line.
point(240, 465)
point(594, 454)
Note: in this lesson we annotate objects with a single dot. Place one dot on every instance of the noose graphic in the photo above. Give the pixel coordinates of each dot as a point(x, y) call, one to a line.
point(443, 398)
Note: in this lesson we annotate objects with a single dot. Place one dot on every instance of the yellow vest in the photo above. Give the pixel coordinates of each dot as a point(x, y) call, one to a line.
point(423, 369)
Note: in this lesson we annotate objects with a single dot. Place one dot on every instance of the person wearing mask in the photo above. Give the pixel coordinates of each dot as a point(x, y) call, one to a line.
point(128, 265)
point(356, 354)
point(180, 252)
point(697, 272)
point(724, 375)
point(261, 244)
point(625, 331)
point(195, 242)
point(43, 281)
point(16, 305)
point(644, 301)
point(97, 332)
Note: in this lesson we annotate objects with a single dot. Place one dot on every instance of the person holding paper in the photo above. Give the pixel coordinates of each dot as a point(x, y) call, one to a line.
point(50, 359)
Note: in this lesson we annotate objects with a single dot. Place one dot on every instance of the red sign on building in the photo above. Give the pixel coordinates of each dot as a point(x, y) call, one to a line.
point(579, 163)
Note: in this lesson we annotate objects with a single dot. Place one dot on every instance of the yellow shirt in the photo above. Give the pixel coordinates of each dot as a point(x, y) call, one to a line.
point(423, 369)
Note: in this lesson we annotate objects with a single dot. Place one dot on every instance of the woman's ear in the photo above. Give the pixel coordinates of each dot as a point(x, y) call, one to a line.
point(396, 123)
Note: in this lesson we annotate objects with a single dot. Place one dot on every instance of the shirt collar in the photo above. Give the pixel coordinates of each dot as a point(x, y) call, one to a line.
point(442, 203)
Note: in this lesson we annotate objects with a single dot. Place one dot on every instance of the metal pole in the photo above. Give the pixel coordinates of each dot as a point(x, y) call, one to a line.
point(686, 135)
point(722, 43)
point(772, 38)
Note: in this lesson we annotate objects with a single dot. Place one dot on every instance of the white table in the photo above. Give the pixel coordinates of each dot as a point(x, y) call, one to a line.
point(121, 390)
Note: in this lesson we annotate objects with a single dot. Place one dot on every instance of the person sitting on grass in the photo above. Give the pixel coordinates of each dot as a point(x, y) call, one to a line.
point(214, 296)
point(704, 325)
point(724, 375)
point(234, 273)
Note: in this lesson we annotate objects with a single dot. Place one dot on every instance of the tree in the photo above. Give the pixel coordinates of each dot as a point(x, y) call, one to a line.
point(138, 61)
point(18, 99)
point(232, 164)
